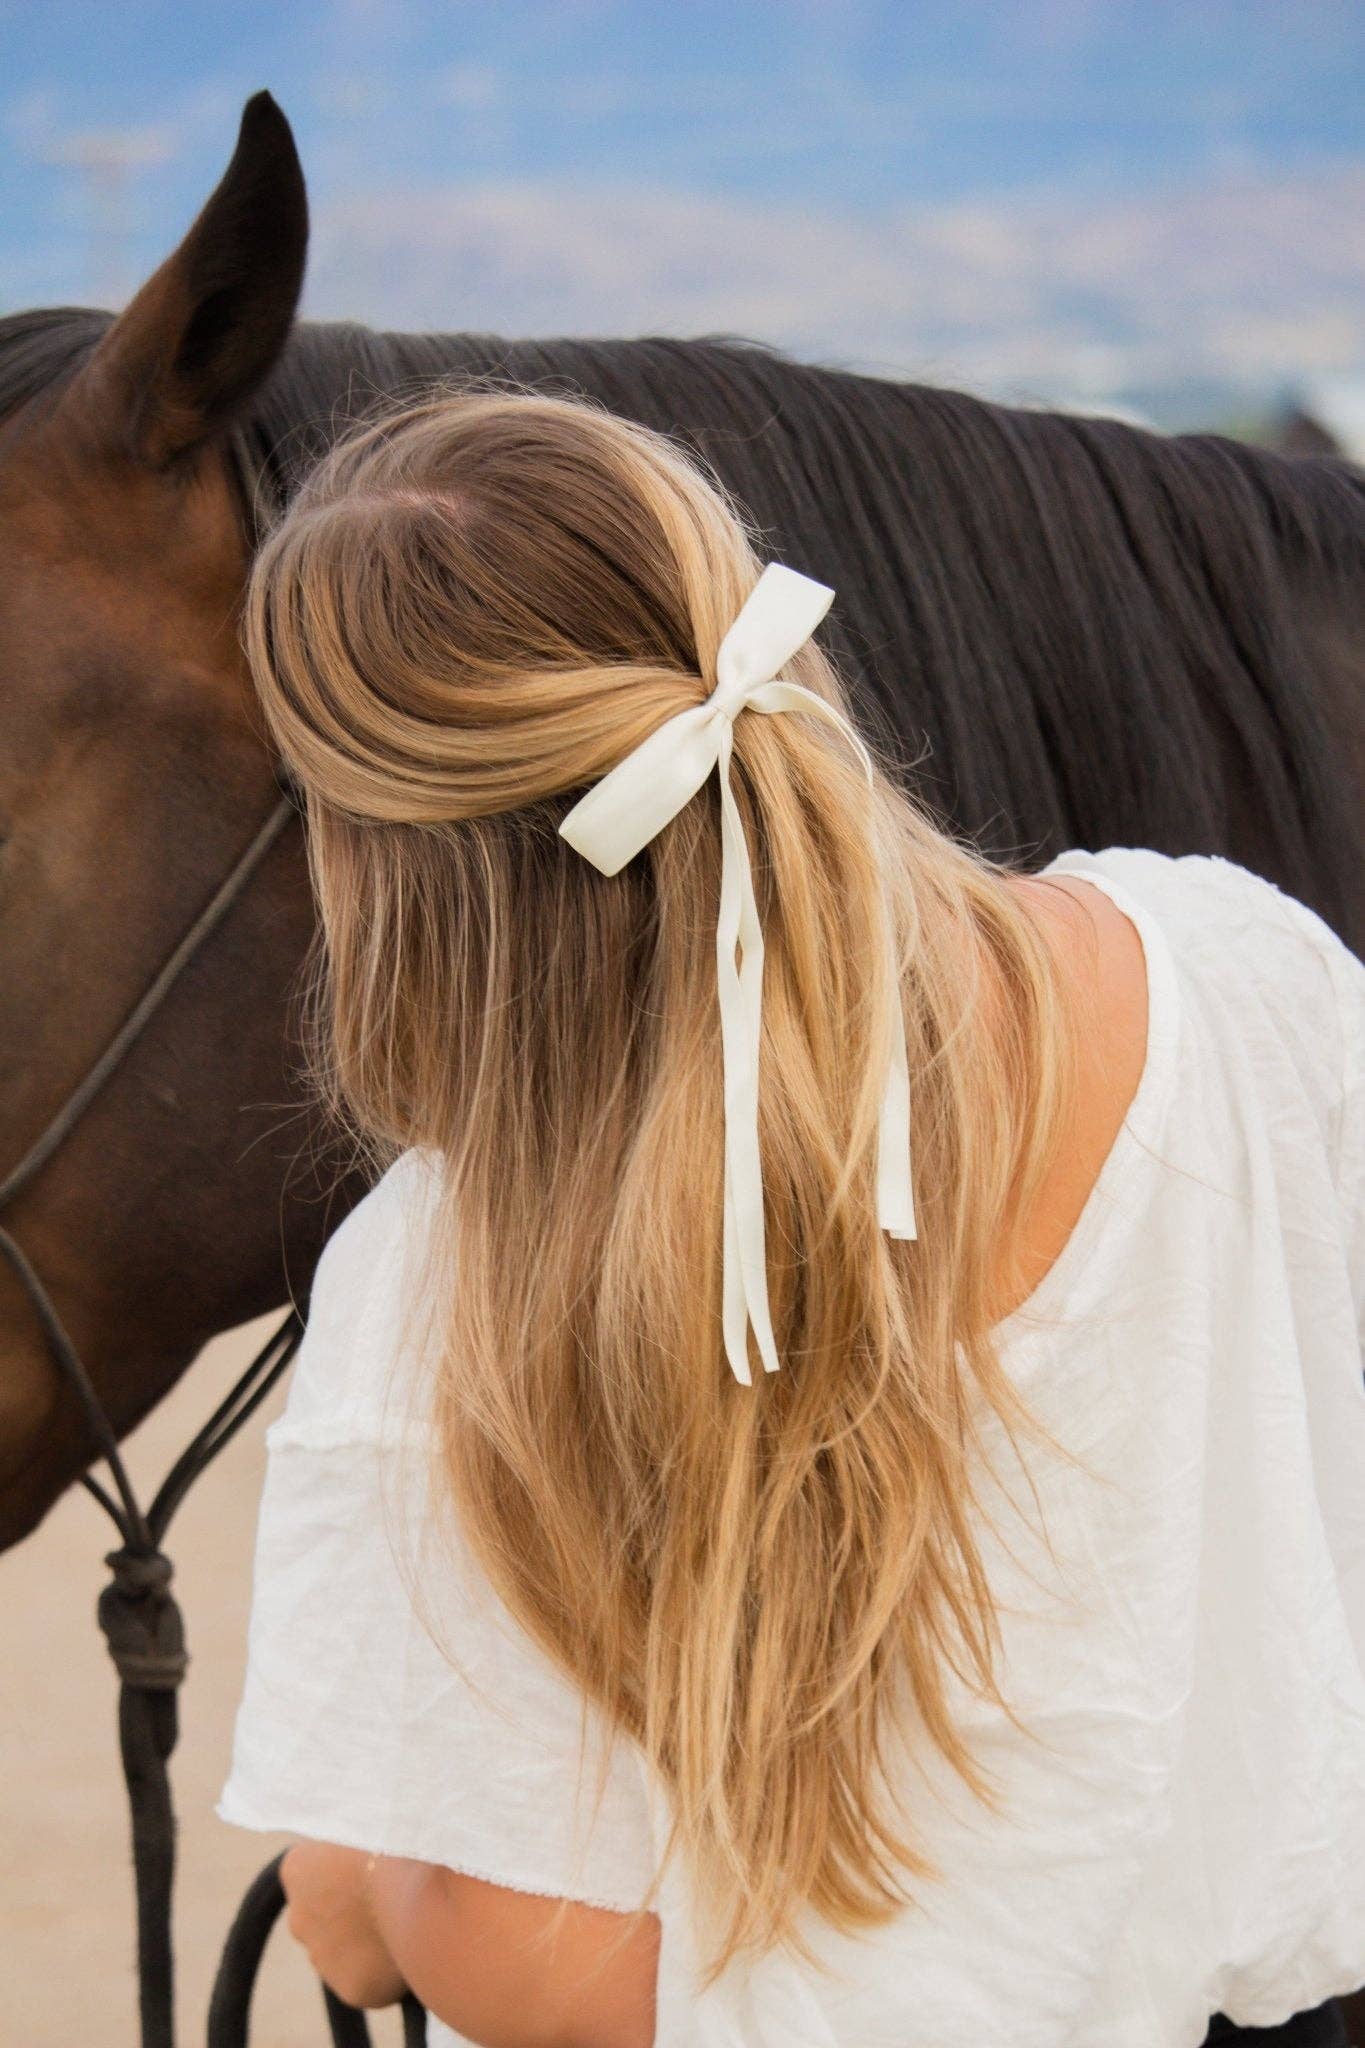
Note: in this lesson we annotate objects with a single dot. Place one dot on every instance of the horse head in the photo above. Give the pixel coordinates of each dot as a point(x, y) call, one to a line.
point(133, 771)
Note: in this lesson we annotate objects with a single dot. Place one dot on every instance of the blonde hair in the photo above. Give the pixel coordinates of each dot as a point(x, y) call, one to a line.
point(478, 603)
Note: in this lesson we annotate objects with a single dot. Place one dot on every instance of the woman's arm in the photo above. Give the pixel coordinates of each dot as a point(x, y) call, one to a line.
point(476, 1954)
point(332, 1916)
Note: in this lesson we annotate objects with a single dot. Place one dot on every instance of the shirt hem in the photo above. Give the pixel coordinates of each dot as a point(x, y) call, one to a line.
point(1306, 1999)
point(238, 1813)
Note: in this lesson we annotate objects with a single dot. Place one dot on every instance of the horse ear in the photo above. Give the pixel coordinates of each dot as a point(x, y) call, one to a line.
point(208, 325)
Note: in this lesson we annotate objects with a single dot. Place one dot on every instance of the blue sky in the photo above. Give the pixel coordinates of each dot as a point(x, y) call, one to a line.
point(1074, 195)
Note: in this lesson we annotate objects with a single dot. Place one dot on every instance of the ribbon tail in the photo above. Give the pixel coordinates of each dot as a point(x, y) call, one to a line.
point(734, 1305)
point(740, 991)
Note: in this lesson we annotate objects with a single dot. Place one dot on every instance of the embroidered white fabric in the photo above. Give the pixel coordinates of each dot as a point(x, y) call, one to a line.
point(1182, 1827)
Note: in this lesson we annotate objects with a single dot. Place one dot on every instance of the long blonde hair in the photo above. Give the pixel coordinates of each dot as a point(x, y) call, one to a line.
point(479, 601)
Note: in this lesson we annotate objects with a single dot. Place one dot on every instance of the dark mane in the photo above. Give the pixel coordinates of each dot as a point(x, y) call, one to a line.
point(1067, 631)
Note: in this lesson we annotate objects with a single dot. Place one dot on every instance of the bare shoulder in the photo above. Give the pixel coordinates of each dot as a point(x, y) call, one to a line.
point(1104, 968)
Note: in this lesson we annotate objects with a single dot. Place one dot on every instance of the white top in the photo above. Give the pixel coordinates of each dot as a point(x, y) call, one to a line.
point(1186, 1835)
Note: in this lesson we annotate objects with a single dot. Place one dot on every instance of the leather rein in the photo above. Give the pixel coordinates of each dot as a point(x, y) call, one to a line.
point(137, 1611)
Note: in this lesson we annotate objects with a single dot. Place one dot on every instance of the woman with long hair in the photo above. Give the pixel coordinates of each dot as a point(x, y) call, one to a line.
point(821, 1500)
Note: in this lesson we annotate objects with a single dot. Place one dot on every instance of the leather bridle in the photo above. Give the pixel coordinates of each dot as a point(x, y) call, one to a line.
point(137, 1611)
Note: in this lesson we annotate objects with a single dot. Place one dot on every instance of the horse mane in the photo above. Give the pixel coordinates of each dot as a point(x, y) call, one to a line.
point(1061, 630)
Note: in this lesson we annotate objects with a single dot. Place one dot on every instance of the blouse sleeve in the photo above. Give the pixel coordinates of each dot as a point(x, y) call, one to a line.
point(429, 1727)
point(1321, 995)
point(1346, 980)
point(1349, 976)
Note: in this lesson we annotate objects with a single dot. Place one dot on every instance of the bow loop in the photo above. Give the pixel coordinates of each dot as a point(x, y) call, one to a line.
point(778, 617)
point(622, 812)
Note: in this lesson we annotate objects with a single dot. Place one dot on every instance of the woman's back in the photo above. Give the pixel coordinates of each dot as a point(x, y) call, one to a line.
point(1180, 1820)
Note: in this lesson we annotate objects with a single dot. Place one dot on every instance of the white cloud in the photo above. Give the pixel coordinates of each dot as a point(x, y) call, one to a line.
point(1253, 280)
point(37, 125)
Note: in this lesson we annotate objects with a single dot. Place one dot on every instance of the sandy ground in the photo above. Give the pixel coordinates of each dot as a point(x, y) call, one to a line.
point(66, 1896)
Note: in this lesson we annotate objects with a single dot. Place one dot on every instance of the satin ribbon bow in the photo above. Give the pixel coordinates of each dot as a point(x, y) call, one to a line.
point(621, 814)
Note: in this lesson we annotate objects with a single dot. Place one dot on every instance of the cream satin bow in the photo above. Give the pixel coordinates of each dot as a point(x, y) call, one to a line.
point(637, 798)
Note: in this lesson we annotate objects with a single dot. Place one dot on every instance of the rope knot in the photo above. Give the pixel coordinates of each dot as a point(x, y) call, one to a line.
point(141, 1620)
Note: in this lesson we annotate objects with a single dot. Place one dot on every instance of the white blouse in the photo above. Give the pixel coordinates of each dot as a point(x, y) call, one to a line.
point(1183, 1825)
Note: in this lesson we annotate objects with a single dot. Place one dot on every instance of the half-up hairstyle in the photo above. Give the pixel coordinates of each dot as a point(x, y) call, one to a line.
point(477, 604)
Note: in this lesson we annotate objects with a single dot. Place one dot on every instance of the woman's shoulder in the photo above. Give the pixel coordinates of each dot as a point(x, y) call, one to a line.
point(1254, 1003)
point(1269, 987)
point(1278, 967)
point(398, 1202)
point(1203, 896)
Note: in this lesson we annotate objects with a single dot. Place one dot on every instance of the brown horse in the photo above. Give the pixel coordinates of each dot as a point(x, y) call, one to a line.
point(1068, 632)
